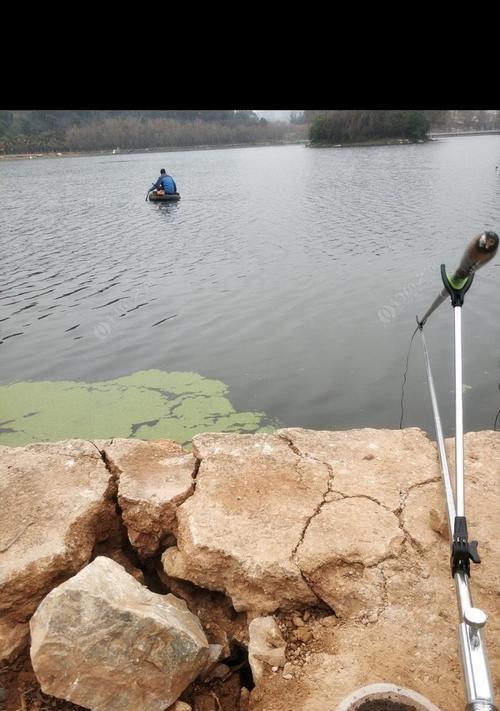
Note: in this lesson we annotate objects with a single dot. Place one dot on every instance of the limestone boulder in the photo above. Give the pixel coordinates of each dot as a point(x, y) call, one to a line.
point(103, 641)
point(154, 478)
point(56, 501)
point(341, 550)
point(325, 505)
point(238, 533)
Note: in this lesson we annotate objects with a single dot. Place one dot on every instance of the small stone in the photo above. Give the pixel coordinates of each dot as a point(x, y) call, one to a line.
point(274, 669)
point(220, 671)
point(297, 621)
point(304, 634)
point(287, 676)
point(205, 703)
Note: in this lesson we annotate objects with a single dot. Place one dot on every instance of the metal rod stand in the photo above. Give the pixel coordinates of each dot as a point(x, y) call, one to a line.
point(477, 680)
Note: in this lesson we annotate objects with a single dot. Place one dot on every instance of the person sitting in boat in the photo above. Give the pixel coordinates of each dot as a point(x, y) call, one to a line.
point(164, 184)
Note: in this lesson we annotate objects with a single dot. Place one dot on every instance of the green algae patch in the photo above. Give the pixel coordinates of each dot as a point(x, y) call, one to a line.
point(149, 404)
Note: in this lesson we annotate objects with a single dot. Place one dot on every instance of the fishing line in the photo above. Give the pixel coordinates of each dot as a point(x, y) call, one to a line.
point(404, 378)
point(496, 419)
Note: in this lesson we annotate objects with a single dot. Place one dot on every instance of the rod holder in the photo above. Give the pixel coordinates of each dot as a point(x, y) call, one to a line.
point(462, 551)
point(456, 288)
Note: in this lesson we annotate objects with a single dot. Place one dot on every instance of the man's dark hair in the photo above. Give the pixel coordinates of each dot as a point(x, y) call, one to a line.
point(163, 170)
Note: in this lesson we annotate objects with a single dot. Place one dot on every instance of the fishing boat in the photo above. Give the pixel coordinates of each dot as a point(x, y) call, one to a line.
point(160, 196)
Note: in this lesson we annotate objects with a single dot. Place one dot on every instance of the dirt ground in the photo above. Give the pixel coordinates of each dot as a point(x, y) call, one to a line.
point(21, 690)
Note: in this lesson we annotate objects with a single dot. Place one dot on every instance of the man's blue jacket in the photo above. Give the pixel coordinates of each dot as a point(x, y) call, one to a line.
point(167, 183)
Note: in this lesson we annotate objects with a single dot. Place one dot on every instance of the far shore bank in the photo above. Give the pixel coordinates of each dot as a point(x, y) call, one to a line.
point(129, 151)
point(370, 142)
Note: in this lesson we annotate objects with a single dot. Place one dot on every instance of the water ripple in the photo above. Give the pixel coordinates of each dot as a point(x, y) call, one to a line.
point(270, 273)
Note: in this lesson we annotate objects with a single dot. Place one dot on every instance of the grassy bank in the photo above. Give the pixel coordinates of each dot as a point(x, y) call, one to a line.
point(157, 149)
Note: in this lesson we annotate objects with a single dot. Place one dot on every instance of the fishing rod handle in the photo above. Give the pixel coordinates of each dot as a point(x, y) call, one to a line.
point(478, 252)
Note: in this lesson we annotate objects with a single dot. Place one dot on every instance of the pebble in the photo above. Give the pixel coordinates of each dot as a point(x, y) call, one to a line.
point(220, 671)
point(303, 633)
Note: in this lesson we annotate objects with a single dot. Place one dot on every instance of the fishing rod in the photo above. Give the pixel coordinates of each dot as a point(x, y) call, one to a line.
point(477, 679)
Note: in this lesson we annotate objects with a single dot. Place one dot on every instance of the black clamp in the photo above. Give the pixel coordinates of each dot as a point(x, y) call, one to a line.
point(457, 295)
point(462, 552)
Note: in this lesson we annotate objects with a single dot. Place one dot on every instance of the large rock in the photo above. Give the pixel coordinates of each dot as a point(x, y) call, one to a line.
point(238, 533)
point(154, 478)
point(341, 550)
point(104, 641)
point(411, 639)
point(56, 501)
point(325, 507)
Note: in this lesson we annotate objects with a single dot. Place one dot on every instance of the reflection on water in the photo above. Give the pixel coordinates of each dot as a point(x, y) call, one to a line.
point(148, 405)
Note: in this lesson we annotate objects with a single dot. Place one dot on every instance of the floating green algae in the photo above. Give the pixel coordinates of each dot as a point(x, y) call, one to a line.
point(149, 404)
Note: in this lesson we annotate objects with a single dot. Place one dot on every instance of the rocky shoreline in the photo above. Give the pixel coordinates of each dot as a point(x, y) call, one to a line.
point(266, 572)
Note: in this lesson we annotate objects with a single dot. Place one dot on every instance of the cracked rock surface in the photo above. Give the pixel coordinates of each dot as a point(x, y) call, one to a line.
point(55, 503)
point(341, 536)
point(154, 478)
point(400, 626)
point(254, 497)
point(326, 506)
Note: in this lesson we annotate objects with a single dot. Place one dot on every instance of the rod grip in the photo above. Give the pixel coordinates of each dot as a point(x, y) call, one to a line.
point(479, 251)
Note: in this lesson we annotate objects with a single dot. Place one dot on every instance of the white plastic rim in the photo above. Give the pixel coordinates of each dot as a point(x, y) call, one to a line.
point(387, 692)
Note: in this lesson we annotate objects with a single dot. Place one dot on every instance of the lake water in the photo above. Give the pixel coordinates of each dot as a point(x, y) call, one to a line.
point(291, 274)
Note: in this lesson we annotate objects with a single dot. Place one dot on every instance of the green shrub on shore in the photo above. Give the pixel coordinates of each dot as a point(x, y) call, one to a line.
point(357, 126)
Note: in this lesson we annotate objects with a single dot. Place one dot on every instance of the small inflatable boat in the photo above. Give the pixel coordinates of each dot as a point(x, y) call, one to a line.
point(160, 196)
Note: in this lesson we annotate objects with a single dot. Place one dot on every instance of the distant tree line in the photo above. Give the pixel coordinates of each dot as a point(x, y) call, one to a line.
point(43, 131)
point(92, 130)
point(358, 126)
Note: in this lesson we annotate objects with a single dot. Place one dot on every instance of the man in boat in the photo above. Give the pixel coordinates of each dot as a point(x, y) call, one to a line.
point(164, 183)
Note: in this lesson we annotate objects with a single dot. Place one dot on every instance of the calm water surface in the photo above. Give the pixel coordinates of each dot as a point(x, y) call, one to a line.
point(291, 274)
